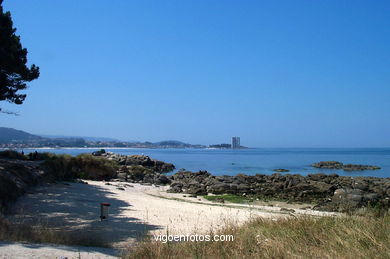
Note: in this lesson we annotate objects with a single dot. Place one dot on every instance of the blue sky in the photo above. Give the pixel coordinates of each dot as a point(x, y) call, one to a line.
point(276, 73)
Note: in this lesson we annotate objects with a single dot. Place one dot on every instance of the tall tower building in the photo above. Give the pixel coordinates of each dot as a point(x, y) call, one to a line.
point(236, 142)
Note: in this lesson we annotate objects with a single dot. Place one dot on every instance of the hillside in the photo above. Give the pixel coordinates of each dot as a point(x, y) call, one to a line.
point(12, 138)
point(9, 135)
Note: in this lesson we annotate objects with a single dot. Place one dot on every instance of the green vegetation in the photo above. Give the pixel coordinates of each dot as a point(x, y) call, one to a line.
point(228, 198)
point(83, 166)
point(303, 237)
point(66, 167)
point(14, 72)
point(11, 154)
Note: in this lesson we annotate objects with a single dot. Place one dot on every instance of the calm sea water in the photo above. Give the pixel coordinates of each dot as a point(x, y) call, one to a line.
point(259, 160)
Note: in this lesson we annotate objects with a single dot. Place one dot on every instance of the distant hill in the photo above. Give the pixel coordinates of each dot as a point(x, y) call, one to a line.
point(9, 135)
point(170, 143)
point(12, 138)
point(78, 137)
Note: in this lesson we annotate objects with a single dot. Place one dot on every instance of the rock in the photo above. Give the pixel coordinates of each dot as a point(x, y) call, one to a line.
point(281, 170)
point(351, 167)
point(242, 188)
point(345, 167)
point(317, 177)
point(329, 192)
point(139, 168)
point(220, 200)
point(371, 197)
point(99, 152)
point(162, 180)
point(219, 188)
point(328, 165)
point(346, 199)
point(176, 187)
point(287, 210)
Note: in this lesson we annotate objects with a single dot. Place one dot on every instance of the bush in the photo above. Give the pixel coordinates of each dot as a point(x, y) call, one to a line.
point(60, 167)
point(95, 168)
point(12, 154)
point(85, 166)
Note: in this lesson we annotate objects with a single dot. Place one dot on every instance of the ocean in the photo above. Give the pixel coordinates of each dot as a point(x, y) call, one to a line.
point(258, 160)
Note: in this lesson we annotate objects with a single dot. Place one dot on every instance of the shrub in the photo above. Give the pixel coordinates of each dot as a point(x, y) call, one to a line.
point(12, 154)
point(85, 166)
point(95, 168)
point(60, 167)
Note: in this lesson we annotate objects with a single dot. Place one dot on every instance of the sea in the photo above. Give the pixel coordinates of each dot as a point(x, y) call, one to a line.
point(256, 160)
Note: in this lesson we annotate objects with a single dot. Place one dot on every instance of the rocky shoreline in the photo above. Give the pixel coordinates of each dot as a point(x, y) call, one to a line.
point(326, 192)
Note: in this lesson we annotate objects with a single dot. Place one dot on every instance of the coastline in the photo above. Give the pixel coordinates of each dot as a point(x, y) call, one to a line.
point(252, 161)
point(144, 201)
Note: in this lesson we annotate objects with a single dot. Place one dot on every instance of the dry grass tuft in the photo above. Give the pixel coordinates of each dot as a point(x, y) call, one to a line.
point(304, 237)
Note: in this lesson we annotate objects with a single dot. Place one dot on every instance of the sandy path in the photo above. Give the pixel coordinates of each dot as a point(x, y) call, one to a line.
point(19, 250)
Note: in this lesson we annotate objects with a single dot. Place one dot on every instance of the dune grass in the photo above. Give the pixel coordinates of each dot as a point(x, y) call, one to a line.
point(303, 237)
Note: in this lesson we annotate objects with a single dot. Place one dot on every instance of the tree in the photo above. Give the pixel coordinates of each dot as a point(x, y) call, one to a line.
point(14, 73)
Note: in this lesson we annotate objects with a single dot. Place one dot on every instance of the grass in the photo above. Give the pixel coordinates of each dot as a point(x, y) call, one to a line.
point(40, 234)
point(303, 237)
point(227, 197)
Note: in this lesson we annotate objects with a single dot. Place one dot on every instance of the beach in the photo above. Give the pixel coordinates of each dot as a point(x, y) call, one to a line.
point(135, 210)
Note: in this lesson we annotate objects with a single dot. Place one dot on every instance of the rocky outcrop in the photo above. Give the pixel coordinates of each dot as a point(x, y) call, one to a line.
point(330, 192)
point(281, 170)
point(345, 167)
point(139, 168)
point(137, 160)
point(141, 174)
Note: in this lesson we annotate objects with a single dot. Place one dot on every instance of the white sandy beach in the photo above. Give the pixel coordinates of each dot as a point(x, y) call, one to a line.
point(135, 210)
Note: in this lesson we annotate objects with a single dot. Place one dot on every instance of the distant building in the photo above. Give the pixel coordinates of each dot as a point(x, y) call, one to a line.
point(236, 142)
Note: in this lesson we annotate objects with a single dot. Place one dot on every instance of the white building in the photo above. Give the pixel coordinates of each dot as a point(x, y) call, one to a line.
point(236, 142)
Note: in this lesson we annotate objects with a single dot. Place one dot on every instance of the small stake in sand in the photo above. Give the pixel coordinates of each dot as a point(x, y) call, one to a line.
point(104, 210)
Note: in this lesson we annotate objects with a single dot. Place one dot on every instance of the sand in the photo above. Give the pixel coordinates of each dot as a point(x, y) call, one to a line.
point(46, 251)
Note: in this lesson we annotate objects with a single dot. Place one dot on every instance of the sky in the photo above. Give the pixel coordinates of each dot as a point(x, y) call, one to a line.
point(276, 73)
